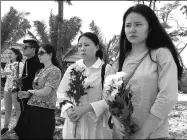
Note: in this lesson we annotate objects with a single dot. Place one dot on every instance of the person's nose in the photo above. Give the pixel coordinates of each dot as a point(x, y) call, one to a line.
point(132, 29)
point(83, 48)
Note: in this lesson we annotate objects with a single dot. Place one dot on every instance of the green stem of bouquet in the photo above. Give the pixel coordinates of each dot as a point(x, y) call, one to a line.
point(75, 130)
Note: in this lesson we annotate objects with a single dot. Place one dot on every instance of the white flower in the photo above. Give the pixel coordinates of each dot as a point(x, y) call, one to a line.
point(119, 83)
point(114, 92)
point(120, 75)
point(109, 80)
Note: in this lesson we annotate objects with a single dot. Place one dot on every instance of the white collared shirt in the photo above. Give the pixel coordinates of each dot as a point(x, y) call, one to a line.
point(93, 79)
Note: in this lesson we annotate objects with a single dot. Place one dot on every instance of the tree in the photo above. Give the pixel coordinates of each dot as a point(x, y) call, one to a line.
point(70, 29)
point(110, 48)
point(151, 3)
point(60, 48)
point(164, 14)
point(13, 27)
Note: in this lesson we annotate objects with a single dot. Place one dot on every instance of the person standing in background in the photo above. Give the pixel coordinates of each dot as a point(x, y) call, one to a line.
point(31, 66)
point(42, 102)
point(10, 98)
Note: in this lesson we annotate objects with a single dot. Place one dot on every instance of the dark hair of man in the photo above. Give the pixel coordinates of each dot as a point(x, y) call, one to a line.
point(33, 44)
point(157, 38)
point(95, 40)
point(17, 52)
point(50, 49)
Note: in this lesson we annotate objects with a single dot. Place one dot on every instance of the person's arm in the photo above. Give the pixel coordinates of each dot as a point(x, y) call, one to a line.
point(167, 96)
point(52, 81)
point(101, 106)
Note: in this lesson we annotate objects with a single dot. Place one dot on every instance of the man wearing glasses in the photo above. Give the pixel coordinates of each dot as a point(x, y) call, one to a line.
point(31, 66)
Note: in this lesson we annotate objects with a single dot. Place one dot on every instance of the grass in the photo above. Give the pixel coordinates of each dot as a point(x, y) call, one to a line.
point(177, 122)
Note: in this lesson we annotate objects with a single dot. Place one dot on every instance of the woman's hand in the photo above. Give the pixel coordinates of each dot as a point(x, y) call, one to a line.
point(23, 94)
point(30, 91)
point(69, 114)
point(78, 112)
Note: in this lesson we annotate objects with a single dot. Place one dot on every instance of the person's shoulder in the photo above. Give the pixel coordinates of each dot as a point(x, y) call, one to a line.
point(55, 68)
point(162, 52)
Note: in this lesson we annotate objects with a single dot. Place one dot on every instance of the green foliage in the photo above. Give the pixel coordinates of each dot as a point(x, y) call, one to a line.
point(183, 83)
point(185, 10)
point(76, 86)
point(13, 27)
point(110, 48)
point(41, 29)
point(96, 30)
point(70, 29)
point(53, 29)
point(166, 10)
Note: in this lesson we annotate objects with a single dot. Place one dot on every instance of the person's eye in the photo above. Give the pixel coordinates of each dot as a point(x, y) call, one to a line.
point(79, 46)
point(128, 25)
point(138, 24)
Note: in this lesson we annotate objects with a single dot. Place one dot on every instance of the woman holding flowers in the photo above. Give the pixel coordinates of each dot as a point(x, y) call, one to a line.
point(155, 82)
point(42, 101)
point(80, 119)
point(12, 71)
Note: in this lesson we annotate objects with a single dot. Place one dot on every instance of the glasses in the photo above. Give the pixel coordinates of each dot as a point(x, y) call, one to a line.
point(25, 47)
point(40, 53)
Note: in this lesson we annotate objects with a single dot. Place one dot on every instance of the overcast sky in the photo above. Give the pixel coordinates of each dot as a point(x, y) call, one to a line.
point(106, 14)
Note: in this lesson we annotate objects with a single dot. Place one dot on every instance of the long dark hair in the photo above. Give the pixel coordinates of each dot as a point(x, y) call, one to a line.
point(157, 37)
point(50, 49)
point(17, 52)
point(95, 39)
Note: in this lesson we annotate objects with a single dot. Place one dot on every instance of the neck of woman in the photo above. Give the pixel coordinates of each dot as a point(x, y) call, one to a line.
point(47, 64)
point(138, 49)
point(89, 62)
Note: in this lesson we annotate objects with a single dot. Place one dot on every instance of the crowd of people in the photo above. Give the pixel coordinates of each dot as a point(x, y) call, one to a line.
point(154, 83)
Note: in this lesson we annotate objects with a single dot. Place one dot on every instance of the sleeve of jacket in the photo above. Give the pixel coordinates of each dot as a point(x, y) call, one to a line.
point(167, 84)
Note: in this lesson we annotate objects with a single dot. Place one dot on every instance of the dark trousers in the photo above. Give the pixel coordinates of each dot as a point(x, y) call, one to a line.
point(41, 123)
point(22, 128)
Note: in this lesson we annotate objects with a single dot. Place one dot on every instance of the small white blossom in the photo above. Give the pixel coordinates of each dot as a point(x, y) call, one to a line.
point(120, 75)
point(109, 80)
point(118, 83)
point(114, 92)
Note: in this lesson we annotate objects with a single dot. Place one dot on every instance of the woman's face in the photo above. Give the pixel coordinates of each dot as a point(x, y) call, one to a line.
point(12, 55)
point(87, 48)
point(136, 29)
point(43, 56)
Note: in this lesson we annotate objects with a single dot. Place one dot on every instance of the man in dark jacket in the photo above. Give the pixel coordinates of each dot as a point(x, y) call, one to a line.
point(31, 66)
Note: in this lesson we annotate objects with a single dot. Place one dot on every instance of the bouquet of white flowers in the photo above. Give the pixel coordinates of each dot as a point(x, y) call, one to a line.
point(118, 97)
